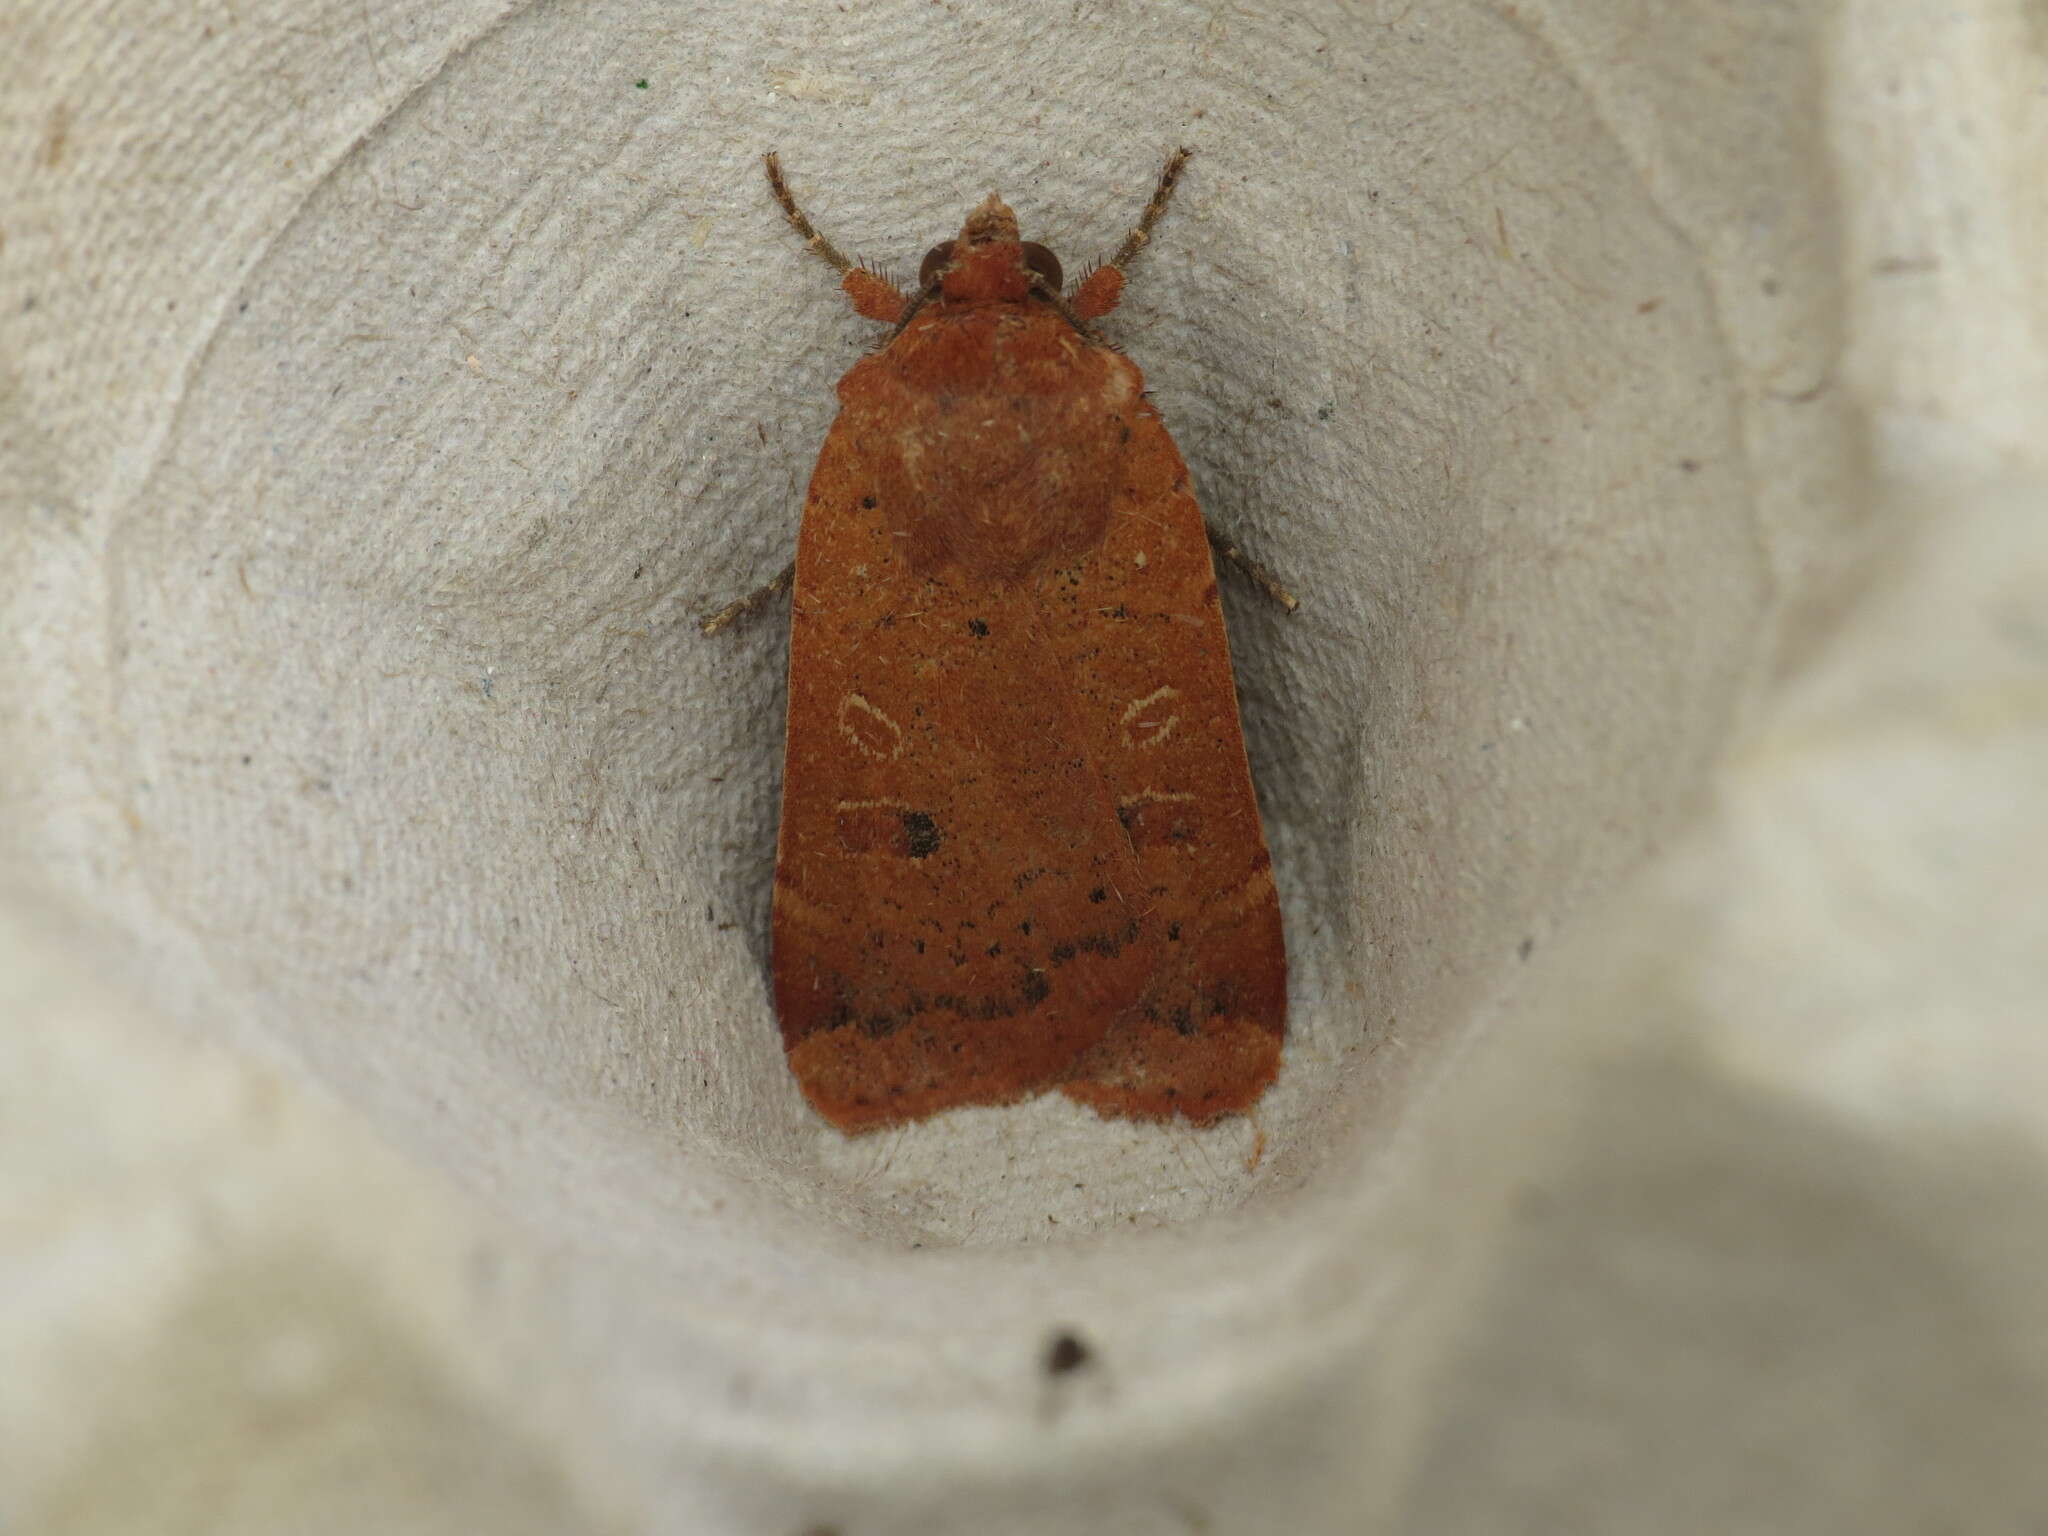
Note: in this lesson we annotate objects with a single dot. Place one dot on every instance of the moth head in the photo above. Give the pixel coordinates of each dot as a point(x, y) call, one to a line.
point(988, 261)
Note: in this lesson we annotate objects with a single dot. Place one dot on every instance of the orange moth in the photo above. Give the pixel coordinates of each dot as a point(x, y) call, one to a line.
point(1019, 850)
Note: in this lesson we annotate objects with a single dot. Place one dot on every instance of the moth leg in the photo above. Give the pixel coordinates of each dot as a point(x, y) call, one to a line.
point(753, 601)
point(873, 295)
point(1097, 293)
point(1226, 548)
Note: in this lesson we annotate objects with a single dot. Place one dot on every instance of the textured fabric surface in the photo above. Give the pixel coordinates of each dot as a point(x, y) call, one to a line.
point(393, 1130)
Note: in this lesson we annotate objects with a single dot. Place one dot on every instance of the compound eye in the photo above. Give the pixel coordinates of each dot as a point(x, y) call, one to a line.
point(1044, 263)
point(934, 259)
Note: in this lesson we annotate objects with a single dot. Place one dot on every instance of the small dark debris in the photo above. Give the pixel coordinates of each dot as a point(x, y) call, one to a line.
point(1066, 1353)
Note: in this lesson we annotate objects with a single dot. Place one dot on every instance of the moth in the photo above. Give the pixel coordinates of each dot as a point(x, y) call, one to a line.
point(1019, 850)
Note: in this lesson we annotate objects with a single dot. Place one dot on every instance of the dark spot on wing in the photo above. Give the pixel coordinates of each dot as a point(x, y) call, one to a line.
point(921, 834)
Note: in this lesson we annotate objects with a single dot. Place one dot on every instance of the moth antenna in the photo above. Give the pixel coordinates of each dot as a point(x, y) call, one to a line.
point(1059, 301)
point(918, 300)
point(1097, 294)
point(873, 296)
point(814, 242)
point(1141, 235)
